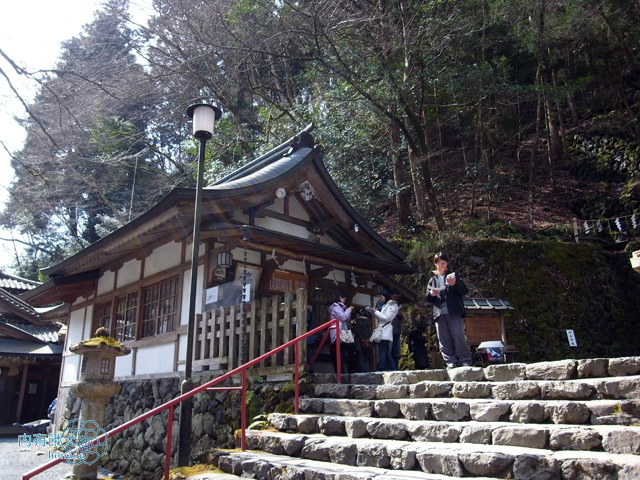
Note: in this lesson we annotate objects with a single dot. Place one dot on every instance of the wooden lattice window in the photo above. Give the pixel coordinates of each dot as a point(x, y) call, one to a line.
point(102, 316)
point(126, 314)
point(160, 307)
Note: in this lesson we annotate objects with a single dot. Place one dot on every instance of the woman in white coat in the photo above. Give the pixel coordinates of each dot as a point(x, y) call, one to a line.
point(384, 317)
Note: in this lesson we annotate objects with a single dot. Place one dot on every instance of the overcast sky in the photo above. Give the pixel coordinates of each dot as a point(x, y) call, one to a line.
point(30, 34)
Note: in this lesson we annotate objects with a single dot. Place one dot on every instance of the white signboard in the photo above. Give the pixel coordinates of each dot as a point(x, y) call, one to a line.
point(225, 295)
point(572, 338)
point(211, 295)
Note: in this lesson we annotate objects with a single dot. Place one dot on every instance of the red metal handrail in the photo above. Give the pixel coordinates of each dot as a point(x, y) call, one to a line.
point(242, 369)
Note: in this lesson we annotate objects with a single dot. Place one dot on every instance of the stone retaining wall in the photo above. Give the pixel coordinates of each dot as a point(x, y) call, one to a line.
point(139, 451)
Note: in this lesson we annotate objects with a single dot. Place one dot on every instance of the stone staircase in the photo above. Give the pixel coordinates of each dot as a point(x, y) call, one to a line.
point(565, 420)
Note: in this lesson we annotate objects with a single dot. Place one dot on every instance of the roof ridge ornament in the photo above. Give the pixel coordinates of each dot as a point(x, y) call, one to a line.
point(301, 140)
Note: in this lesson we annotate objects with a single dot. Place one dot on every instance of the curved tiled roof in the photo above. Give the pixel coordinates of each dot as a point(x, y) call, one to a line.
point(266, 173)
point(22, 328)
point(295, 166)
point(16, 284)
point(16, 304)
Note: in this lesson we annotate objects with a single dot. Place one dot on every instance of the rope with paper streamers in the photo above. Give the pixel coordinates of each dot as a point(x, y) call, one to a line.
point(620, 224)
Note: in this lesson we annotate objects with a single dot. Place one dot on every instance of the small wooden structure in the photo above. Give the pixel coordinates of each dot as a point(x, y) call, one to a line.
point(485, 322)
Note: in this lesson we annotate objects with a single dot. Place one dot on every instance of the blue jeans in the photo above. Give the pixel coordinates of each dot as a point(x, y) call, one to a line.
point(385, 360)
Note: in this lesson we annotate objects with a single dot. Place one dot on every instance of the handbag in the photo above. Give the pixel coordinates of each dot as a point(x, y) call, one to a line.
point(346, 336)
point(376, 335)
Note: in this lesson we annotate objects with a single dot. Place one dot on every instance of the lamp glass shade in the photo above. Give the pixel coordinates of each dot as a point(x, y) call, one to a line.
point(225, 259)
point(204, 118)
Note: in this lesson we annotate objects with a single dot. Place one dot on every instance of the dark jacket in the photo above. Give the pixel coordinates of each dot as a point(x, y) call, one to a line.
point(452, 295)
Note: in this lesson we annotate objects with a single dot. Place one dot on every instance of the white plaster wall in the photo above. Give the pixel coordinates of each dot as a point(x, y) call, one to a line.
point(105, 282)
point(285, 227)
point(361, 299)
point(296, 210)
point(75, 327)
point(124, 366)
point(155, 359)
point(252, 256)
point(327, 240)
point(129, 273)
point(70, 368)
point(163, 258)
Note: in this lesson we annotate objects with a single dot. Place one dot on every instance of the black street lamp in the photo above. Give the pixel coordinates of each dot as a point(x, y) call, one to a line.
point(204, 118)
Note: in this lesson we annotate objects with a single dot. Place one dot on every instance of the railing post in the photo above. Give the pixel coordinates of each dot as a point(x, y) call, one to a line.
point(243, 411)
point(338, 361)
point(296, 380)
point(167, 454)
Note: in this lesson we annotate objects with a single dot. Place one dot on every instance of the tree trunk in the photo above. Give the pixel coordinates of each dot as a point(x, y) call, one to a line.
point(399, 177)
point(418, 187)
point(561, 123)
point(434, 204)
point(554, 147)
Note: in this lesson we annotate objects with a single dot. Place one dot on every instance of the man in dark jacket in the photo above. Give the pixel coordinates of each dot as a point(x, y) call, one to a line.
point(445, 292)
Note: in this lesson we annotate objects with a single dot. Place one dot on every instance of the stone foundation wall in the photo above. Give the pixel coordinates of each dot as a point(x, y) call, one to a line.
point(139, 451)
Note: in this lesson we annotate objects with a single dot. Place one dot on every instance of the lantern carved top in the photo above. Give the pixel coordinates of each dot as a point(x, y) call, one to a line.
point(103, 343)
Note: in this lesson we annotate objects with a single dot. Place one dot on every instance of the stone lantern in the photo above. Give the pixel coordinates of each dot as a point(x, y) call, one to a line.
point(95, 387)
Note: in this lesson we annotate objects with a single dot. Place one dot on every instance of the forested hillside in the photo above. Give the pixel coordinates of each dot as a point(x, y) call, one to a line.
point(440, 120)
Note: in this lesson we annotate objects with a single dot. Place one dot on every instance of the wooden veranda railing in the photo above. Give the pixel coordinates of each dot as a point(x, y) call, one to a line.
point(268, 323)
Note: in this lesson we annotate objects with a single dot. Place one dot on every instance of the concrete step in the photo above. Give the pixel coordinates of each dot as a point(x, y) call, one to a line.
point(263, 466)
point(565, 420)
point(557, 370)
point(591, 412)
point(579, 389)
point(449, 459)
point(609, 438)
point(210, 476)
point(582, 389)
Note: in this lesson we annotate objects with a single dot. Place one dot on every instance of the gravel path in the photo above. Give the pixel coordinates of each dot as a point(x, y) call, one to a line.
point(16, 460)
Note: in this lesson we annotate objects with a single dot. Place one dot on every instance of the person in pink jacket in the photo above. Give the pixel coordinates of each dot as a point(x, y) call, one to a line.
point(340, 311)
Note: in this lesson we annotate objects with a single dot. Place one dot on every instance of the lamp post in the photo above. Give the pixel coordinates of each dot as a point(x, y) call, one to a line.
point(204, 118)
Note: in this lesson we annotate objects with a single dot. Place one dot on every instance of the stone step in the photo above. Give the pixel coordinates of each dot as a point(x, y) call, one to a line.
point(580, 389)
point(449, 459)
point(211, 476)
point(266, 466)
point(557, 370)
point(611, 439)
point(591, 412)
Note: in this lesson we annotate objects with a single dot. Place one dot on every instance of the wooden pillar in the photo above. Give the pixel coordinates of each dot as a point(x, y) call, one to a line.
point(23, 386)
